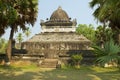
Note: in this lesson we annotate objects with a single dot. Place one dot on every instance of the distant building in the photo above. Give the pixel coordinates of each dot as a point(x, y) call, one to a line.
point(58, 39)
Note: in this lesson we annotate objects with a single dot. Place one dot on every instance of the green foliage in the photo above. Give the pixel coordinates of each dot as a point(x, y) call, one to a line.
point(107, 11)
point(19, 37)
point(104, 34)
point(12, 15)
point(27, 32)
point(76, 58)
point(108, 53)
point(17, 13)
point(86, 30)
point(3, 45)
point(66, 66)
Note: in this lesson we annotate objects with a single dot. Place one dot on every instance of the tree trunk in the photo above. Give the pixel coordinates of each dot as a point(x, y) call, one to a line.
point(103, 36)
point(9, 48)
point(119, 38)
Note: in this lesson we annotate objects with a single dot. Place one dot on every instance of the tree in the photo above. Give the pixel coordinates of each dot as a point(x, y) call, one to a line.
point(14, 14)
point(19, 38)
point(108, 12)
point(27, 32)
point(86, 30)
point(103, 34)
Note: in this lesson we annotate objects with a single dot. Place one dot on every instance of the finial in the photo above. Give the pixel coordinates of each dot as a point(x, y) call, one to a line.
point(59, 7)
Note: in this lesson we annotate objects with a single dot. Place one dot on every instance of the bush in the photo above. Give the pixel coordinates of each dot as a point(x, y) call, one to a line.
point(76, 58)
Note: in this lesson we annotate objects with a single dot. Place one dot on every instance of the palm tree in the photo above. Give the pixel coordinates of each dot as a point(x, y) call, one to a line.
point(27, 32)
point(109, 53)
point(108, 12)
point(19, 13)
point(19, 39)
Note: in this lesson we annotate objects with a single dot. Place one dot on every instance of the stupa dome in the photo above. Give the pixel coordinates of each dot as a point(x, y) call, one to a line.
point(59, 15)
point(59, 18)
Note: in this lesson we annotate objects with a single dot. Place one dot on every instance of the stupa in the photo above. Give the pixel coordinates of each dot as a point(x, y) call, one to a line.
point(58, 39)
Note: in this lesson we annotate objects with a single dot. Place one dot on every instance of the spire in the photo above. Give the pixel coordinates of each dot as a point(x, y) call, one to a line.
point(59, 7)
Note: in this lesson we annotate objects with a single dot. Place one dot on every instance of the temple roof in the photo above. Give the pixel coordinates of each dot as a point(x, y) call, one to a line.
point(59, 37)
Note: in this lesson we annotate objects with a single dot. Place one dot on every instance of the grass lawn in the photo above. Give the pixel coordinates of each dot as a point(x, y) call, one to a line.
point(32, 72)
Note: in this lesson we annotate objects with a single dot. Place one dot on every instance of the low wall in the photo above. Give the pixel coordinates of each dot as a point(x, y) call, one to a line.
point(88, 57)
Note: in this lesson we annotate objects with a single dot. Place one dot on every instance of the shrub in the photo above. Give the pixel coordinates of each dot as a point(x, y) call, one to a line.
point(76, 58)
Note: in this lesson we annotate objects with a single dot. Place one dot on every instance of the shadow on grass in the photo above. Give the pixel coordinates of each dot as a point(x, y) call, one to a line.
point(16, 73)
point(9, 68)
point(110, 75)
point(84, 73)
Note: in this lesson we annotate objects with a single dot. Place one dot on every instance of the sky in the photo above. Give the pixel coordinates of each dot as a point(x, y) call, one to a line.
point(78, 9)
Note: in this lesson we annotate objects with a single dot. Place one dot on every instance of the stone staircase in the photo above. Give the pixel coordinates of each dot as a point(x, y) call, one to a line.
point(49, 63)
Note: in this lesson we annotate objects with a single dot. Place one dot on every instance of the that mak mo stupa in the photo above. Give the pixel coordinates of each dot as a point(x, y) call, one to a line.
point(57, 40)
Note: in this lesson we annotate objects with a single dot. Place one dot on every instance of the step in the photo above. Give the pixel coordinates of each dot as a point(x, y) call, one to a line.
point(49, 63)
point(50, 60)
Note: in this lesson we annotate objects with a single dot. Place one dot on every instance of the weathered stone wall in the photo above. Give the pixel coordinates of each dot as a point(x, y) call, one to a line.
point(59, 50)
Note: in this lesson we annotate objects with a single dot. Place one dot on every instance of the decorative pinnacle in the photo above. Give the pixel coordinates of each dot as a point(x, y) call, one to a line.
point(59, 7)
